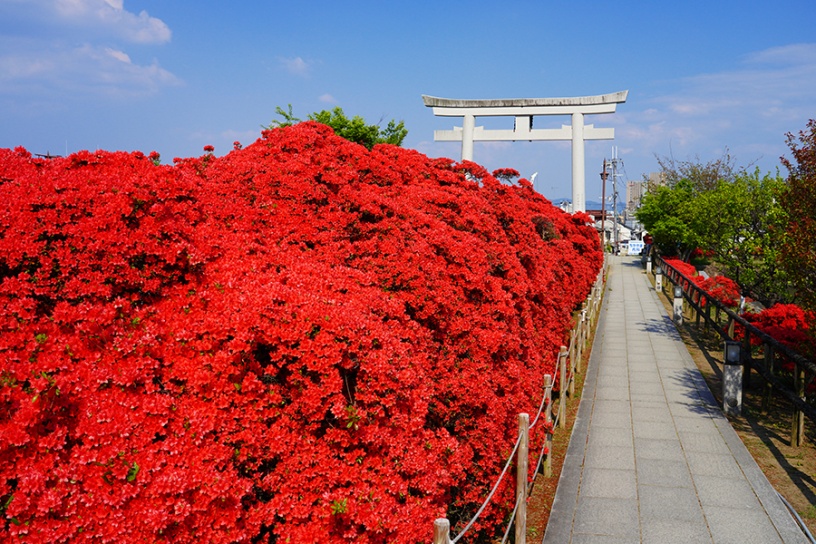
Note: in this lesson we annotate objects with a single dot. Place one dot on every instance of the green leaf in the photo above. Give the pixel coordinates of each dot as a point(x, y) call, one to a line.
point(134, 470)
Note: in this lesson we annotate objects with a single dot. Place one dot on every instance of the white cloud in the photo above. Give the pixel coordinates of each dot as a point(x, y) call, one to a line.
point(296, 66)
point(327, 99)
point(54, 70)
point(108, 18)
point(48, 62)
point(121, 56)
point(747, 108)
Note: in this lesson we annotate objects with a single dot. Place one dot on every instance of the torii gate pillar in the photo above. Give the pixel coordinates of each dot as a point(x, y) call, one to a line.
point(524, 109)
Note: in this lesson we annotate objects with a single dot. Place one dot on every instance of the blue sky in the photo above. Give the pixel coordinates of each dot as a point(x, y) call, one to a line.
point(174, 76)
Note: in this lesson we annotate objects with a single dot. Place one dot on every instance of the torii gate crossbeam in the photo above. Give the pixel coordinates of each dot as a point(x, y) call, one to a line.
point(524, 109)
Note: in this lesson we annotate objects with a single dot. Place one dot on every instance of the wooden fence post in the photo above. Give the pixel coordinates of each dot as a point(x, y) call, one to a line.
point(521, 478)
point(708, 314)
point(579, 339)
point(769, 368)
point(441, 531)
point(798, 426)
point(548, 383)
point(562, 391)
point(571, 373)
point(747, 359)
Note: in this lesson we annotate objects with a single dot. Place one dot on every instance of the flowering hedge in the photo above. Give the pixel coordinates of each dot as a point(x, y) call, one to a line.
point(786, 323)
point(720, 288)
point(302, 340)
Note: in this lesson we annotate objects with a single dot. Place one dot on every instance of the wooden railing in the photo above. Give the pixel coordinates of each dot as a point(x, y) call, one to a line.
point(702, 304)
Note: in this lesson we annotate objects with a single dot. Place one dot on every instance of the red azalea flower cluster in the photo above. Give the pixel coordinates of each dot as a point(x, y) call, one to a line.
point(721, 288)
point(683, 267)
point(302, 340)
point(788, 324)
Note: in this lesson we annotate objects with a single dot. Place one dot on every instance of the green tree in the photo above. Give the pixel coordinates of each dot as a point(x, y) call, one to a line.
point(701, 176)
point(735, 215)
point(287, 118)
point(666, 212)
point(799, 200)
point(354, 129)
point(743, 224)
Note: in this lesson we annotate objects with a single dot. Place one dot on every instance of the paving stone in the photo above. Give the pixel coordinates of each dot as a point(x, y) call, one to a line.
point(713, 464)
point(611, 517)
point(669, 503)
point(669, 531)
point(612, 405)
point(730, 525)
point(663, 472)
point(705, 442)
point(611, 420)
point(727, 492)
point(611, 457)
point(608, 483)
point(654, 431)
point(605, 437)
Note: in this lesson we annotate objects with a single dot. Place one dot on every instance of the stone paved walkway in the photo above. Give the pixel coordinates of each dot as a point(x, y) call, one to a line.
point(651, 457)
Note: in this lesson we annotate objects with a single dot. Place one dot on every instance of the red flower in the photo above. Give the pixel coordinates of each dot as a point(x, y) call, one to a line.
point(299, 338)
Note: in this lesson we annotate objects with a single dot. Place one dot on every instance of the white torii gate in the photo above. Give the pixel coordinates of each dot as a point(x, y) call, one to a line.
point(524, 109)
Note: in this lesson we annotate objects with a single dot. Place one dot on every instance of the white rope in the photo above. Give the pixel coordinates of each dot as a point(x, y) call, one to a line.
point(541, 406)
point(518, 441)
point(512, 519)
point(538, 466)
point(490, 495)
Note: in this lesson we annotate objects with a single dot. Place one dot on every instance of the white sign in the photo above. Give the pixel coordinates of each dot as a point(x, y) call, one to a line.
point(635, 247)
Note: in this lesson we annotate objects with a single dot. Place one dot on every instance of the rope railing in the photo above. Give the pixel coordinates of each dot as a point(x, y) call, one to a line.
point(701, 302)
point(569, 364)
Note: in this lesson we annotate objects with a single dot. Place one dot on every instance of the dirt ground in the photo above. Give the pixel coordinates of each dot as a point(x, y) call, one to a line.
point(792, 471)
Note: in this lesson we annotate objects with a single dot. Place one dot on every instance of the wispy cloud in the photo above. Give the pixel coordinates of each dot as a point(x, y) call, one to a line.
point(296, 66)
point(94, 17)
point(327, 99)
point(49, 63)
point(770, 92)
point(45, 69)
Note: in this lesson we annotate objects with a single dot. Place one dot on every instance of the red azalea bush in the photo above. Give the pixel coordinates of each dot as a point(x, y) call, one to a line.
point(724, 290)
point(302, 340)
point(788, 324)
point(683, 267)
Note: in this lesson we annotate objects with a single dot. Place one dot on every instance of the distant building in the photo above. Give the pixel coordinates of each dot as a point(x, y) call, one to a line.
point(656, 179)
point(634, 194)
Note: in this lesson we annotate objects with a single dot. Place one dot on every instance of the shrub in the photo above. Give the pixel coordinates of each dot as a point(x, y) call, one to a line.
point(301, 339)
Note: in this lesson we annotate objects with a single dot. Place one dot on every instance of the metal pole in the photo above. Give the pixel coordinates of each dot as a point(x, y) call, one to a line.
point(604, 176)
point(615, 202)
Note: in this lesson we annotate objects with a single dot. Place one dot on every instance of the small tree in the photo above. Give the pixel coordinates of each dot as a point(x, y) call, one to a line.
point(354, 129)
point(743, 224)
point(666, 212)
point(798, 256)
point(700, 176)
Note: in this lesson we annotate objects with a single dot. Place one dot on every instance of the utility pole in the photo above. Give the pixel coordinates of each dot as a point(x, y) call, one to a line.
point(614, 163)
point(604, 176)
